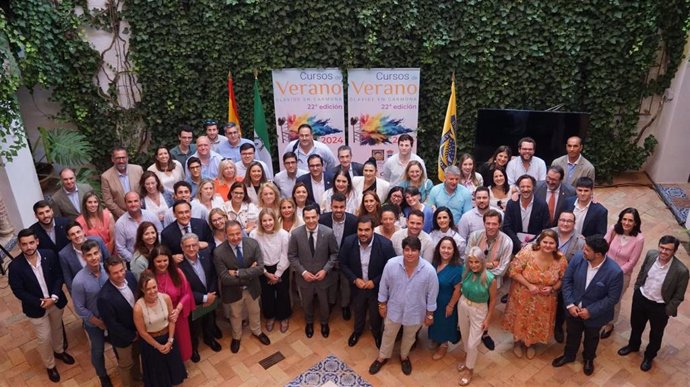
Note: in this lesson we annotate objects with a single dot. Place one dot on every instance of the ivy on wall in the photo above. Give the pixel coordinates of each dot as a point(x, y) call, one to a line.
point(589, 56)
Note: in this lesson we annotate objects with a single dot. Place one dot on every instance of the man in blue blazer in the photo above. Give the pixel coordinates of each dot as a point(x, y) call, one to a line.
point(345, 225)
point(536, 209)
point(590, 217)
point(171, 236)
point(35, 278)
point(200, 272)
point(70, 256)
point(49, 229)
point(362, 258)
point(115, 304)
point(316, 175)
point(592, 286)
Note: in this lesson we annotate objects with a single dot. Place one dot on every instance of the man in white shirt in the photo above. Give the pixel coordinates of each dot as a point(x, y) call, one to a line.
point(527, 163)
point(316, 181)
point(415, 223)
point(183, 191)
point(394, 167)
point(247, 156)
point(286, 179)
point(573, 163)
point(590, 218)
point(306, 146)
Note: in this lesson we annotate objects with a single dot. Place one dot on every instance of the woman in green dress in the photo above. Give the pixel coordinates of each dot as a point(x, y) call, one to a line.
point(449, 270)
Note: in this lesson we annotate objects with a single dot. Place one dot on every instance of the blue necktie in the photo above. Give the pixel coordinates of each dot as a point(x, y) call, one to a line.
point(240, 257)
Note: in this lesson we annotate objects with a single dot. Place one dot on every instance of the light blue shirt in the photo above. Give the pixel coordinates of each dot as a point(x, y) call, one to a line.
point(230, 151)
point(408, 298)
point(459, 202)
point(126, 232)
point(209, 170)
point(124, 180)
point(85, 289)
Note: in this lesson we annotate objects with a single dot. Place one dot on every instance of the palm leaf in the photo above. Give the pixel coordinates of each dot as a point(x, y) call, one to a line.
point(66, 146)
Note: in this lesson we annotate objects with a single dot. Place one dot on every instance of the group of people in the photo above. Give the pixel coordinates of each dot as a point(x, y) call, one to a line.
point(208, 230)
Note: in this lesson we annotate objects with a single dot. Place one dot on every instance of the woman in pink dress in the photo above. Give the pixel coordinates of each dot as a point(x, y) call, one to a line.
point(172, 282)
point(96, 220)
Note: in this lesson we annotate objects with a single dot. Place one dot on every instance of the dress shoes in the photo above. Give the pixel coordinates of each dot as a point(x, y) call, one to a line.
point(354, 338)
point(347, 313)
point(263, 339)
point(627, 350)
point(53, 375)
point(325, 330)
point(309, 330)
point(406, 366)
point(646, 364)
point(195, 357)
point(561, 361)
point(488, 342)
point(558, 335)
point(64, 357)
point(588, 367)
point(605, 334)
point(214, 345)
point(375, 367)
point(234, 346)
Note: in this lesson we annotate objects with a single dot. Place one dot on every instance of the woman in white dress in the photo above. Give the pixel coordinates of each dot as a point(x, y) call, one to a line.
point(341, 183)
point(499, 190)
point(369, 181)
point(168, 170)
point(389, 220)
point(253, 179)
point(468, 174)
point(443, 226)
point(240, 208)
point(207, 196)
point(153, 196)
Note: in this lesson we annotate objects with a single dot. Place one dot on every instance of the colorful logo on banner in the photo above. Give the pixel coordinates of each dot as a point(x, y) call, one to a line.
point(382, 105)
point(311, 96)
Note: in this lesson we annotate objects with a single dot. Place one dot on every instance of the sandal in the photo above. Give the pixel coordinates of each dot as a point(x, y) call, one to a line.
point(466, 378)
point(517, 350)
point(440, 352)
point(461, 367)
point(530, 353)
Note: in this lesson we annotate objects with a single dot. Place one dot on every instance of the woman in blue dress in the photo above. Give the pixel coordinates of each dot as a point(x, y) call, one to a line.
point(449, 270)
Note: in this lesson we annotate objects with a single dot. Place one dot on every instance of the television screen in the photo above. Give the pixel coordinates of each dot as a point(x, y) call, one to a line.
point(496, 127)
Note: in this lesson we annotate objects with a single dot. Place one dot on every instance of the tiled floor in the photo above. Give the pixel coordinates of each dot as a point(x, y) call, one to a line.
point(21, 366)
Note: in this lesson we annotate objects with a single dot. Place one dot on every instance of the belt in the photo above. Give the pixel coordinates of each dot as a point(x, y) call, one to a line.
point(162, 332)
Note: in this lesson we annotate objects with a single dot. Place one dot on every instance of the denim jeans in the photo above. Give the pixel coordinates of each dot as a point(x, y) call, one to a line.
point(97, 339)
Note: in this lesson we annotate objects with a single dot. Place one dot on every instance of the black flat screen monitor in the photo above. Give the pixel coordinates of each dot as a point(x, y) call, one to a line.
point(496, 127)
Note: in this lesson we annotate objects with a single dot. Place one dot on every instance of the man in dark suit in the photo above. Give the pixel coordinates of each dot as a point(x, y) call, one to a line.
point(554, 191)
point(590, 217)
point(343, 225)
point(35, 278)
point(239, 265)
point(67, 200)
point(316, 181)
point(201, 275)
point(312, 251)
point(185, 224)
point(362, 258)
point(659, 290)
point(115, 303)
point(592, 286)
point(529, 208)
point(346, 163)
point(71, 257)
point(50, 230)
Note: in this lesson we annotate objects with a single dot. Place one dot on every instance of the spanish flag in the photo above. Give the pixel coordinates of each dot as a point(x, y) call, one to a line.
point(448, 147)
point(232, 105)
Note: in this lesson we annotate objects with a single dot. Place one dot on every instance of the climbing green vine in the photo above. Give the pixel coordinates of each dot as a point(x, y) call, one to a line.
point(589, 56)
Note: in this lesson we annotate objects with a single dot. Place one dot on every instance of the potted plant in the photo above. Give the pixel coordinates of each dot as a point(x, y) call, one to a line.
point(65, 147)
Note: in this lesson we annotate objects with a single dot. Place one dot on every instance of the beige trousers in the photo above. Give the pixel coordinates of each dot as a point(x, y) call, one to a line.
point(470, 318)
point(128, 363)
point(253, 313)
point(49, 334)
point(390, 332)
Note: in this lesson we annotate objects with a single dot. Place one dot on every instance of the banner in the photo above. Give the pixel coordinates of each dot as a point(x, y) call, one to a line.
point(382, 104)
point(447, 149)
point(312, 96)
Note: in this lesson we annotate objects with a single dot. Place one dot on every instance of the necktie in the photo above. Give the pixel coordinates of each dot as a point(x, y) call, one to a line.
point(239, 256)
point(552, 205)
point(311, 242)
point(186, 229)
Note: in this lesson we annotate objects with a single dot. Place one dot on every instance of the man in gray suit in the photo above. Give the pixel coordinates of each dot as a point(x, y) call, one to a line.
point(239, 265)
point(66, 202)
point(573, 163)
point(554, 191)
point(71, 258)
point(312, 252)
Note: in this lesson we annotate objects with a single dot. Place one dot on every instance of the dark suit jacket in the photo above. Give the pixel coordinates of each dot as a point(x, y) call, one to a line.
point(596, 220)
point(69, 262)
point(306, 179)
point(602, 294)
point(350, 224)
point(324, 257)
point(62, 206)
point(172, 235)
point(25, 286)
point(355, 167)
point(675, 283)
point(224, 259)
point(198, 288)
point(351, 264)
point(116, 312)
point(512, 221)
point(44, 241)
point(564, 192)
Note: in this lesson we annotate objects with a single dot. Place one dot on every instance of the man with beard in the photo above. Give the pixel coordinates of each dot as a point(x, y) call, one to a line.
point(527, 163)
point(119, 179)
